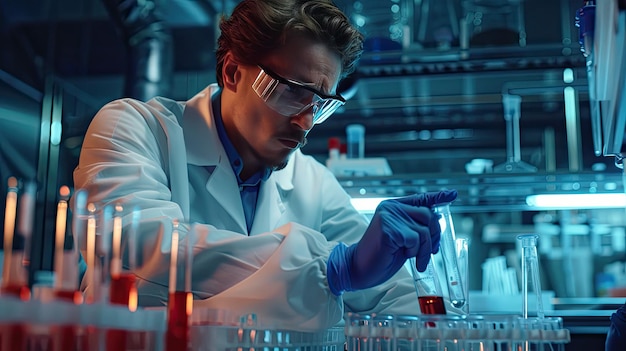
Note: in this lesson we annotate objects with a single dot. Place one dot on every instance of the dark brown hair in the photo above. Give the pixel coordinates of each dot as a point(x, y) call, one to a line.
point(257, 27)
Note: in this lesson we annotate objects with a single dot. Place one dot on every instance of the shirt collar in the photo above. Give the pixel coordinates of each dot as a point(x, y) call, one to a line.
point(233, 156)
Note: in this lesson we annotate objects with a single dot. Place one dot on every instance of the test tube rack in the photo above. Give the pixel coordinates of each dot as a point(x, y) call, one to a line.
point(454, 333)
point(64, 326)
point(86, 326)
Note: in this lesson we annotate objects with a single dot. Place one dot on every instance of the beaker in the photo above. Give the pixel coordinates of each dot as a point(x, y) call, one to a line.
point(448, 253)
point(530, 273)
point(428, 288)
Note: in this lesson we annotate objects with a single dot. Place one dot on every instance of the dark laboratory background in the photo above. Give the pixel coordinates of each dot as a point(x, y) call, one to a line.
point(428, 90)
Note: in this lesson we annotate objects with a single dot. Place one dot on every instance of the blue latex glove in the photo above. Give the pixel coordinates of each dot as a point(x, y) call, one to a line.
point(400, 229)
point(616, 337)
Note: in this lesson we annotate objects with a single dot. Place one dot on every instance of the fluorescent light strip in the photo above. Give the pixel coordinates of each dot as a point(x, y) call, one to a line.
point(558, 201)
point(542, 201)
point(367, 204)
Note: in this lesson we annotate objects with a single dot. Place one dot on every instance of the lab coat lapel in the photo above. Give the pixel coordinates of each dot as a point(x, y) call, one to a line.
point(205, 149)
point(273, 201)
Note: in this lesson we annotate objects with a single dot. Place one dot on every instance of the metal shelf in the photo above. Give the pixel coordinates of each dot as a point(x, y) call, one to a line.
point(487, 192)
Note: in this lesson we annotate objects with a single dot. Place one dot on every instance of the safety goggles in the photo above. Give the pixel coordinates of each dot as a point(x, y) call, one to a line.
point(290, 98)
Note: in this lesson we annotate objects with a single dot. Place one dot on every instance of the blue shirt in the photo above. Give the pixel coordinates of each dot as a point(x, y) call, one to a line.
point(249, 189)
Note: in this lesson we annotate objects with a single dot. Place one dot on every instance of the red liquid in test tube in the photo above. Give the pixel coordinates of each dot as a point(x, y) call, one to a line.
point(13, 335)
point(20, 291)
point(180, 302)
point(122, 288)
point(431, 305)
point(179, 309)
point(123, 291)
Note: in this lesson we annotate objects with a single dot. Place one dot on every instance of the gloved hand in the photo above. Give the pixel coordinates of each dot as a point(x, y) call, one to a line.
point(616, 336)
point(400, 229)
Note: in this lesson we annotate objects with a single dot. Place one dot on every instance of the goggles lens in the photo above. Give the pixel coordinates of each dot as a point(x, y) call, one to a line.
point(290, 98)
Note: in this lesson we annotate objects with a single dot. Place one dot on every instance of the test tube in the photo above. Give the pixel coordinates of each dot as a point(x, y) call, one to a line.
point(122, 288)
point(462, 252)
point(356, 140)
point(10, 214)
point(530, 273)
point(16, 242)
point(180, 301)
point(12, 336)
point(428, 288)
point(448, 253)
point(65, 255)
point(90, 274)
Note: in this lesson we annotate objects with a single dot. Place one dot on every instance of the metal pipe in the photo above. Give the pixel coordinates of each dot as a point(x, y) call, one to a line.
point(149, 47)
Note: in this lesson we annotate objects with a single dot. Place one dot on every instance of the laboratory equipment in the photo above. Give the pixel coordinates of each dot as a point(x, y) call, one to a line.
point(90, 273)
point(530, 273)
point(585, 20)
point(455, 333)
point(447, 248)
point(462, 253)
point(220, 329)
point(123, 290)
point(512, 113)
point(428, 288)
point(122, 287)
point(17, 240)
point(65, 255)
point(355, 140)
point(10, 214)
point(180, 301)
point(14, 285)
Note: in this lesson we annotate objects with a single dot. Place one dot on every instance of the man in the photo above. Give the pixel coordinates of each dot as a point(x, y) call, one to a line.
point(616, 336)
point(277, 235)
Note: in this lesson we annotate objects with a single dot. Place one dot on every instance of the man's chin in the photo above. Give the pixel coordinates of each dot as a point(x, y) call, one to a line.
point(280, 166)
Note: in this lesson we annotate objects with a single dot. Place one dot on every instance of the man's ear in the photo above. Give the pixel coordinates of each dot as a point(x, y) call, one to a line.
point(230, 73)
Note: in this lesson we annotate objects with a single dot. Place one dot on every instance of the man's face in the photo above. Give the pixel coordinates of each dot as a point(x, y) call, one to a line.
point(264, 137)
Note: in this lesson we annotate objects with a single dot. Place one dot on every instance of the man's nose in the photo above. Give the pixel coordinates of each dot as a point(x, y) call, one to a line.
point(304, 120)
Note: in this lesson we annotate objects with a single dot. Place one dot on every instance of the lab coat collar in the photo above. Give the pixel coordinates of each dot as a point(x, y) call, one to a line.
point(204, 149)
point(273, 199)
point(201, 139)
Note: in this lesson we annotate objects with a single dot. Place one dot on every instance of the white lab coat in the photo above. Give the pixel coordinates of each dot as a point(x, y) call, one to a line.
point(166, 157)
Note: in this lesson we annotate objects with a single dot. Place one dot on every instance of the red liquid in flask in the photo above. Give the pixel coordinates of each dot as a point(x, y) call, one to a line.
point(431, 305)
point(178, 312)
